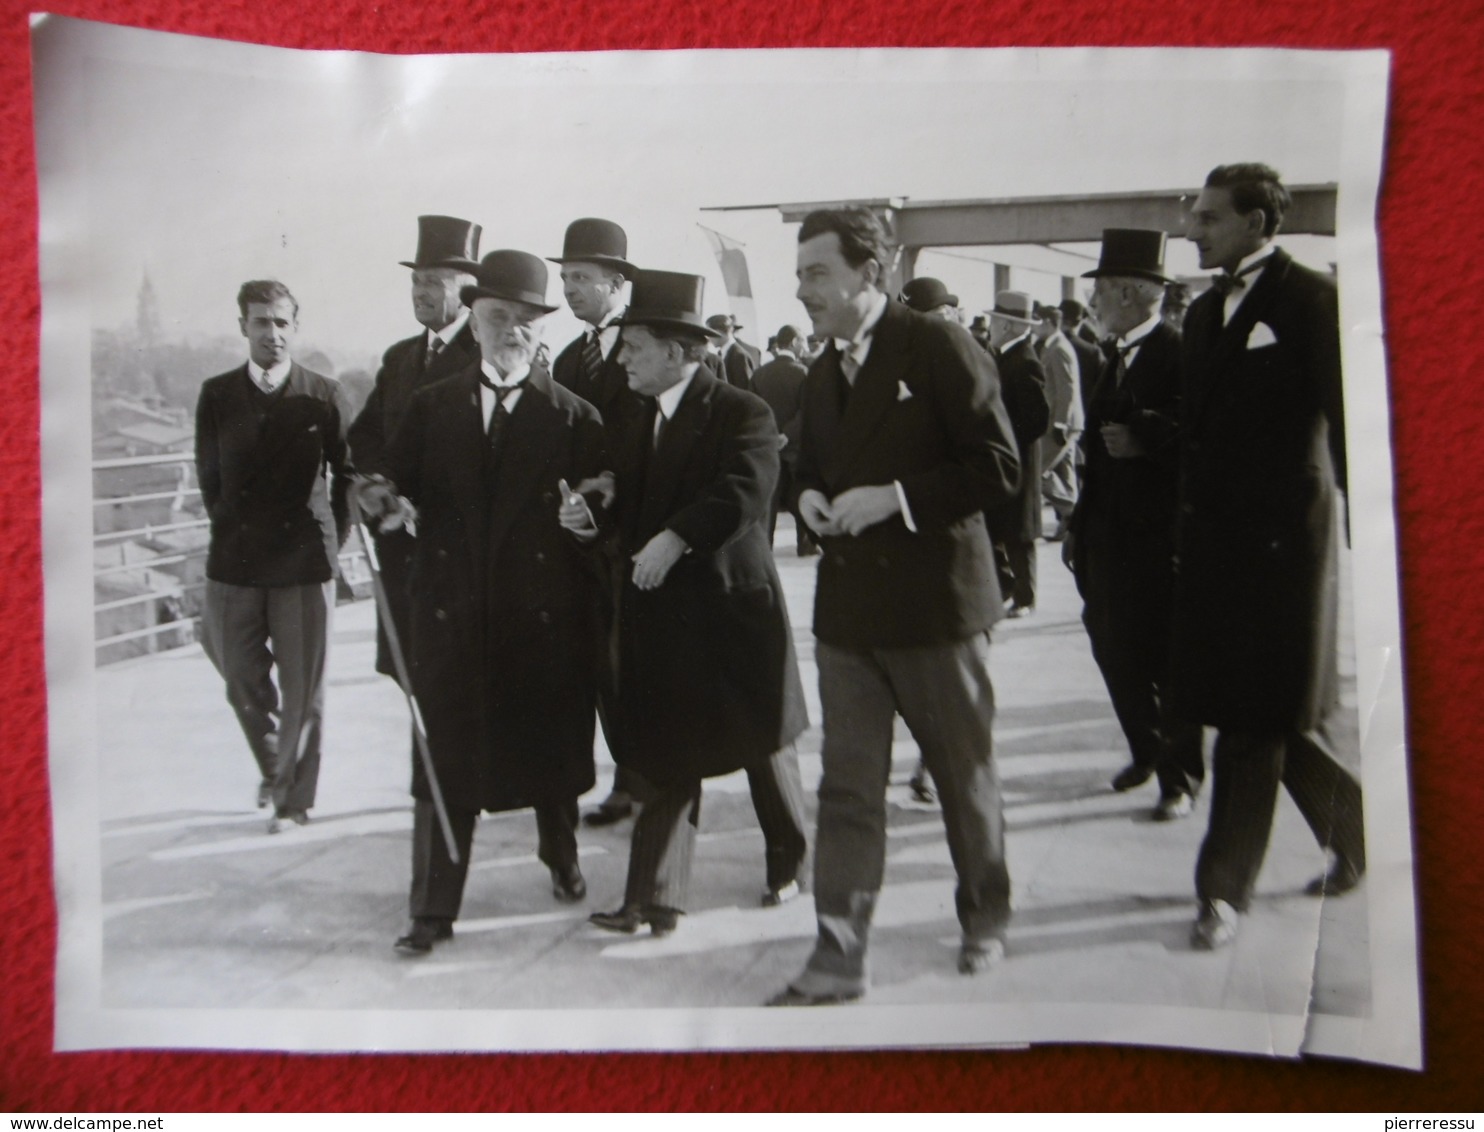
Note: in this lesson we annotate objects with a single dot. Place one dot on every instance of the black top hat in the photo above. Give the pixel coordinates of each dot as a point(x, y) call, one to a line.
point(591, 240)
point(445, 241)
point(668, 300)
point(927, 294)
point(505, 274)
point(1138, 252)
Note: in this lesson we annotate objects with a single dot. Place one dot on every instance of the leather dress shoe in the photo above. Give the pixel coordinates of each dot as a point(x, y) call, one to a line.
point(1173, 807)
point(1341, 877)
point(661, 921)
point(1015, 612)
point(611, 809)
point(788, 996)
point(1215, 927)
point(424, 933)
point(974, 958)
point(285, 820)
point(567, 884)
point(265, 794)
point(1131, 777)
point(774, 897)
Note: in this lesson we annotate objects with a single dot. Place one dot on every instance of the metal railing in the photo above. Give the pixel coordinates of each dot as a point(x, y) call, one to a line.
point(353, 566)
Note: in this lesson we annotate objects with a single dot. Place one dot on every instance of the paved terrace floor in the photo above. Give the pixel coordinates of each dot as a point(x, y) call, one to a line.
point(203, 909)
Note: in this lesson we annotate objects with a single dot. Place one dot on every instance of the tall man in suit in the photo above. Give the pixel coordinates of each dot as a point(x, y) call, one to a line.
point(1122, 542)
point(1015, 525)
point(1082, 336)
point(594, 263)
point(780, 383)
point(736, 358)
point(443, 347)
point(274, 469)
point(1256, 595)
point(504, 603)
point(708, 682)
point(905, 446)
point(1064, 393)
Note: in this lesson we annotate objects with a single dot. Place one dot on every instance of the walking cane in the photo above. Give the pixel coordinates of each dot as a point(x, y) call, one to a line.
point(419, 731)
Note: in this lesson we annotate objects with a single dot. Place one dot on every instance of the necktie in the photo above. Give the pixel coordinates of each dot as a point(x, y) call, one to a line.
point(435, 347)
point(592, 358)
point(660, 422)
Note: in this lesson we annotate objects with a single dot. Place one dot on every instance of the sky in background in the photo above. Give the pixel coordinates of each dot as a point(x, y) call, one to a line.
point(209, 163)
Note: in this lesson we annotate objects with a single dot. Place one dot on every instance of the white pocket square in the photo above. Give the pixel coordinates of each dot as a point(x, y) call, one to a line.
point(903, 393)
point(1262, 335)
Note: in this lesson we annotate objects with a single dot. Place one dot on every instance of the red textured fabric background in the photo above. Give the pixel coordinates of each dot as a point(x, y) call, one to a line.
point(1430, 243)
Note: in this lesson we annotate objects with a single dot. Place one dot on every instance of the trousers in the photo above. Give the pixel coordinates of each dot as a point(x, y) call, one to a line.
point(943, 692)
point(248, 632)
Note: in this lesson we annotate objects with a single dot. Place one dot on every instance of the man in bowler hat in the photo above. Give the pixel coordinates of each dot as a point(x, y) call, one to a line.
point(736, 358)
point(905, 445)
point(504, 603)
point(443, 347)
point(1016, 524)
point(274, 471)
point(707, 678)
point(1257, 592)
point(595, 266)
point(1122, 542)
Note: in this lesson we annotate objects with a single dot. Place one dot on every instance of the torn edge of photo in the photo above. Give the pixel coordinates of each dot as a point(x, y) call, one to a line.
point(228, 234)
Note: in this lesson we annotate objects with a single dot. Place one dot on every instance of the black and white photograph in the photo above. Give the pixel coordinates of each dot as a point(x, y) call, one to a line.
point(754, 549)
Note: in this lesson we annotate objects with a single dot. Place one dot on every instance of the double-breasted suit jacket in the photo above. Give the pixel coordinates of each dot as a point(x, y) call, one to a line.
point(405, 369)
point(1263, 456)
point(274, 471)
point(708, 680)
point(925, 411)
point(503, 604)
point(1123, 529)
point(1023, 387)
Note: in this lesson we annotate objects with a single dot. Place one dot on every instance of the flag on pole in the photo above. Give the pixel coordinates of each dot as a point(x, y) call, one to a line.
point(733, 263)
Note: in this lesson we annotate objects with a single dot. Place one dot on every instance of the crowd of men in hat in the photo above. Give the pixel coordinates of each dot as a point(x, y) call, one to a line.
point(590, 540)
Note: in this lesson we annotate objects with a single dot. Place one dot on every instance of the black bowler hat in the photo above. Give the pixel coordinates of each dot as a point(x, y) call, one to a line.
point(591, 240)
point(1137, 252)
point(505, 274)
point(926, 294)
point(669, 300)
point(445, 241)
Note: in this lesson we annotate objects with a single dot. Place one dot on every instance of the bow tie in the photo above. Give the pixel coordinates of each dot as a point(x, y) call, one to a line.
point(1226, 282)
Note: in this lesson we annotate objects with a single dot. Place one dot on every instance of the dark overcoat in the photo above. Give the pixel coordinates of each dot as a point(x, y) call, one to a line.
point(503, 602)
point(708, 681)
point(925, 412)
point(404, 370)
point(1263, 457)
point(1123, 528)
point(1023, 386)
point(274, 471)
point(609, 392)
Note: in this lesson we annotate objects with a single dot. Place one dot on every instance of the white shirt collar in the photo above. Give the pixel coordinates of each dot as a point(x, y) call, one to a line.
point(1140, 332)
point(1258, 256)
point(1010, 345)
point(272, 378)
point(670, 399)
point(513, 378)
point(451, 331)
point(859, 345)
